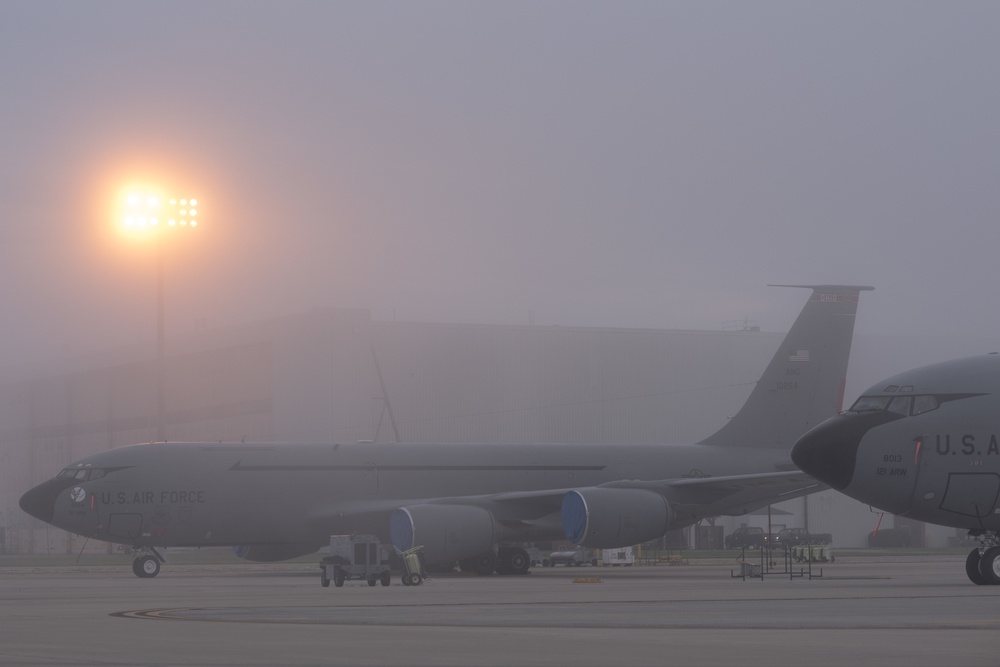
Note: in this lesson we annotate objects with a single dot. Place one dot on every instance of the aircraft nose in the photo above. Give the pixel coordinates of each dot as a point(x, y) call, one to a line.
point(40, 502)
point(829, 451)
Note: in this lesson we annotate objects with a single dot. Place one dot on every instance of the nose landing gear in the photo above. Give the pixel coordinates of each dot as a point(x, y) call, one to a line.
point(983, 563)
point(146, 563)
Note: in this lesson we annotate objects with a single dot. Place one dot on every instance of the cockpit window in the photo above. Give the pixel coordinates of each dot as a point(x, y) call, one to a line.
point(82, 474)
point(871, 404)
point(900, 405)
point(923, 404)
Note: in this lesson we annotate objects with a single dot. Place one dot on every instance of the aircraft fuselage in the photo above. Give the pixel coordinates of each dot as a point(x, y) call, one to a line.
point(177, 494)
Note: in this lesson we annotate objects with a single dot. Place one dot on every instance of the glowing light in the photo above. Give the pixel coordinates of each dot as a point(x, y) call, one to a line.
point(194, 223)
point(148, 211)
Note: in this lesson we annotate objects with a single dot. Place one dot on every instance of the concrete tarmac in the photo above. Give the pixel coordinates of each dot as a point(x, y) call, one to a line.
point(867, 611)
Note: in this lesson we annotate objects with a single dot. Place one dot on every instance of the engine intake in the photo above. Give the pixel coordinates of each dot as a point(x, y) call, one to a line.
point(608, 518)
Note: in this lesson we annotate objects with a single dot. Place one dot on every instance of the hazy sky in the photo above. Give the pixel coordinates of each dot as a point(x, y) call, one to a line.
point(615, 164)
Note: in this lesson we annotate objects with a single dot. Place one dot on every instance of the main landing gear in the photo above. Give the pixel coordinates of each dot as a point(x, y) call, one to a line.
point(146, 563)
point(506, 560)
point(983, 563)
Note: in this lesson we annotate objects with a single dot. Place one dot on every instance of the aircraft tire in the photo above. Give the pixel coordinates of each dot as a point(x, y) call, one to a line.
point(989, 566)
point(512, 560)
point(338, 578)
point(485, 564)
point(972, 568)
point(518, 561)
point(146, 566)
point(323, 581)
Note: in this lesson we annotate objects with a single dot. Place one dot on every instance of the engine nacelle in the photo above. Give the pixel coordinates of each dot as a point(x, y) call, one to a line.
point(608, 518)
point(447, 533)
point(267, 553)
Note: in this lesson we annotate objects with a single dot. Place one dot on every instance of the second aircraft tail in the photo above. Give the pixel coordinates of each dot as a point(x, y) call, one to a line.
point(804, 383)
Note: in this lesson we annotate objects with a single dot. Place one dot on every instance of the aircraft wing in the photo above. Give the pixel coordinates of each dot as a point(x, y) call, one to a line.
point(707, 496)
point(732, 495)
point(692, 499)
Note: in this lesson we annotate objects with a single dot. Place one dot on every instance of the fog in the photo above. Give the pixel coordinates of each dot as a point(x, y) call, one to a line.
point(570, 163)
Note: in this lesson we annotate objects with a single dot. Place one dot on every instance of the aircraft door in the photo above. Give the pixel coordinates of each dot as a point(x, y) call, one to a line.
point(954, 482)
point(972, 494)
point(125, 527)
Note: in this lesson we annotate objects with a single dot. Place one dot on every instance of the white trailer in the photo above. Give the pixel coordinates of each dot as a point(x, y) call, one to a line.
point(622, 556)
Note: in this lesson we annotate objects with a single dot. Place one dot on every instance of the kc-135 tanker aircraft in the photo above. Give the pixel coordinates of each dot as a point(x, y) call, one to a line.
point(470, 504)
point(923, 444)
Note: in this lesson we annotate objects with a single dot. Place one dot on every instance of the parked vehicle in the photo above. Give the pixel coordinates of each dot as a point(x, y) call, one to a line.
point(891, 537)
point(355, 557)
point(747, 537)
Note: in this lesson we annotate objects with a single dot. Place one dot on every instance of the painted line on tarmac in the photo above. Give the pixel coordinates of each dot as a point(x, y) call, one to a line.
point(796, 613)
point(157, 614)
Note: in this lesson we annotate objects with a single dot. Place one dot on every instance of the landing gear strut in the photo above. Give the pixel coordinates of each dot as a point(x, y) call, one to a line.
point(505, 560)
point(483, 564)
point(146, 563)
point(983, 563)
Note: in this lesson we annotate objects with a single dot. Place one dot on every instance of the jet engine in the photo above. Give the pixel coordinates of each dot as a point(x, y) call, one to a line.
point(447, 533)
point(266, 553)
point(608, 518)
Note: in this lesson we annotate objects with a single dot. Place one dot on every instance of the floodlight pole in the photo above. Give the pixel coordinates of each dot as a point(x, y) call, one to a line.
point(145, 212)
point(160, 346)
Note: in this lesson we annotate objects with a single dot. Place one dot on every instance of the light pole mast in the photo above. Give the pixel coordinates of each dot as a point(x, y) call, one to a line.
point(145, 214)
point(161, 368)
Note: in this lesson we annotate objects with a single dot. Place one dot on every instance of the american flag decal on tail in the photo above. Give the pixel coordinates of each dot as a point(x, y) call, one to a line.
point(799, 355)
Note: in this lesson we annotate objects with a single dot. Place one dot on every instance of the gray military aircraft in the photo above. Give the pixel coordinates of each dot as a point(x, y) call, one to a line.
point(923, 444)
point(469, 504)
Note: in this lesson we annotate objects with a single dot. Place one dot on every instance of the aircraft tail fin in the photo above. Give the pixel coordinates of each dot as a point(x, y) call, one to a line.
point(804, 383)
